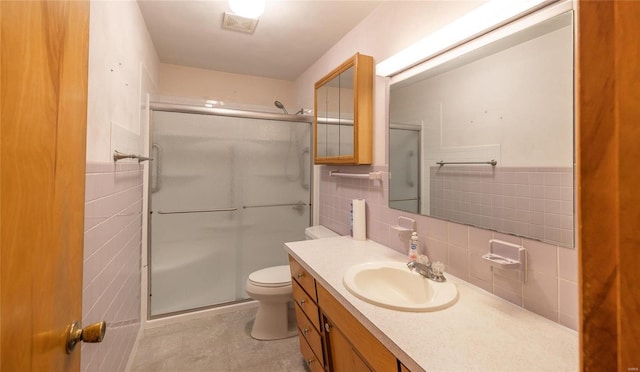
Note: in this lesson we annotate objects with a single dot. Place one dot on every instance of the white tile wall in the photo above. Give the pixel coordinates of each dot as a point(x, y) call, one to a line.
point(111, 274)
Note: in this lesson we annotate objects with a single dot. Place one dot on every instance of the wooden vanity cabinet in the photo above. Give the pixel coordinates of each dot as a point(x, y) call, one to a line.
point(366, 352)
point(331, 339)
point(343, 356)
point(308, 317)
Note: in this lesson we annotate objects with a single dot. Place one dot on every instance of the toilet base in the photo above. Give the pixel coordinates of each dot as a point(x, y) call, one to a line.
point(274, 321)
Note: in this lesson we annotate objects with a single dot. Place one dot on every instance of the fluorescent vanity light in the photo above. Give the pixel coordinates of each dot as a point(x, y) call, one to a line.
point(474, 23)
point(211, 103)
point(247, 8)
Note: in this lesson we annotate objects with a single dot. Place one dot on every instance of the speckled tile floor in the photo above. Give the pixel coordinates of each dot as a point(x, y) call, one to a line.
point(219, 343)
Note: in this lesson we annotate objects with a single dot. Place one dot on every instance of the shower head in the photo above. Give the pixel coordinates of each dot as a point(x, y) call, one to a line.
point(280, 106)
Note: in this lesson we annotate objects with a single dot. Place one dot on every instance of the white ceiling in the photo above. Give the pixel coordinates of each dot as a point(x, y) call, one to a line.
point(291, 34)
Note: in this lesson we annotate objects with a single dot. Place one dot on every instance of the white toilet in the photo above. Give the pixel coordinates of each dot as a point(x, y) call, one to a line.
point(271, 287)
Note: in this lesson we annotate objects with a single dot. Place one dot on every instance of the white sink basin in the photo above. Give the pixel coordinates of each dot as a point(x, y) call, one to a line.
point(392, 285)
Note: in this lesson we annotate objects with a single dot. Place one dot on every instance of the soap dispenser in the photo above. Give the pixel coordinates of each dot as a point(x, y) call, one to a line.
point(413, 247)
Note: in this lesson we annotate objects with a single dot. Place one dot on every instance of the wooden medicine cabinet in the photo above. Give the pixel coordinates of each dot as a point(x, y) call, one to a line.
point(344, 113)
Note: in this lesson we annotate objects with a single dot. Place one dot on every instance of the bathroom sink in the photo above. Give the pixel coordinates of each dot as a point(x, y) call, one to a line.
point(392, 285)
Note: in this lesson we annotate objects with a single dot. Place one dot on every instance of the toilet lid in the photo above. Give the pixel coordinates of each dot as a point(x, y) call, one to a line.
point(271, 276)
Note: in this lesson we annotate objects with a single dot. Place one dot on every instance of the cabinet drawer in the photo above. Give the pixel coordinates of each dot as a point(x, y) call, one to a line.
point(306, 304)
point(309, 357)
point(310, 333)
point(303, 278)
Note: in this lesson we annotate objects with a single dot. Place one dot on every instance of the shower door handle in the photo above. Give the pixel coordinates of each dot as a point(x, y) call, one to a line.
point(305, 173)
point(408, 164)
point(158, 167)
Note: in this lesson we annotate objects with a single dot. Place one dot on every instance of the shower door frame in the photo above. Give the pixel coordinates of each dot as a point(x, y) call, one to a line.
point(213, 111)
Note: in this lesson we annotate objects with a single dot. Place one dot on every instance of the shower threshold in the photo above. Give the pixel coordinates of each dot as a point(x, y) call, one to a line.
point(206, 310)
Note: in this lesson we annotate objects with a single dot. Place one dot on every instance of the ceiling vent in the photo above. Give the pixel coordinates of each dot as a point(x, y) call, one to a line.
point(234, 22)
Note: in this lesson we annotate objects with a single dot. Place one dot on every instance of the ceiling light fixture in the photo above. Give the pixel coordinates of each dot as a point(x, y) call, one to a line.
point(247, 8)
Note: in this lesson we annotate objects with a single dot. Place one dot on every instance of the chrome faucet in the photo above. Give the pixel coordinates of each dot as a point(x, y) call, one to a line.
point(433, 271)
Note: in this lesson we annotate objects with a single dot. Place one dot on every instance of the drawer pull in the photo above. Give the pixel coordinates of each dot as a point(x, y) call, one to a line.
point(302, 302)
point(305, 331)
point(299, 275)
point(327, 327)
point(309, 361)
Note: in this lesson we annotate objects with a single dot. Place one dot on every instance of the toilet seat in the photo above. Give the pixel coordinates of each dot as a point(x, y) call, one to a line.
point(276, 276)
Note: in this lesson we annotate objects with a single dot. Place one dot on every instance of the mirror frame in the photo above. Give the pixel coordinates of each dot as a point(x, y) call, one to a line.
point(362, 112)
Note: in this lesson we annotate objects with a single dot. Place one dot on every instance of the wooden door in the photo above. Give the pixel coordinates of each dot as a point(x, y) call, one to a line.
point(608, 122)
point(43, 71)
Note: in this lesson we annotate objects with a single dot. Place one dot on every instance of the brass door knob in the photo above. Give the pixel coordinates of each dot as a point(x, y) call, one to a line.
point(91, 333)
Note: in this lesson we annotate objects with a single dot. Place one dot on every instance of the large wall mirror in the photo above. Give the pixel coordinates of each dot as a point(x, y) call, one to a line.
point(487, 138)
point(344, 113)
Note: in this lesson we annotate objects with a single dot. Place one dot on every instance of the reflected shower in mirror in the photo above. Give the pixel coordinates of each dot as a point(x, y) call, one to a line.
point(511, 101)
point(335, 115)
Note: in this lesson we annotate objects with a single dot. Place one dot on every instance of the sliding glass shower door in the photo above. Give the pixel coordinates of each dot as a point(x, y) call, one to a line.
point(226, 193)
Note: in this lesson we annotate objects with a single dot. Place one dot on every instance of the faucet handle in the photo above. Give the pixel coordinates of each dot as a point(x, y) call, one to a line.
point(422, 259)
point(438, 268)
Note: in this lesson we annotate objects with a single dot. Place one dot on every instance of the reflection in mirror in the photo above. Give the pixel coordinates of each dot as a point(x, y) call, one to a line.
point(346, 112)
point(404, 189)
point(509, 101)
point(322, 94)
point(335, 115)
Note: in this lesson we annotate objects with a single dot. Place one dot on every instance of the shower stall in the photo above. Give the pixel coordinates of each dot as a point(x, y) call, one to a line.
point(227, 189)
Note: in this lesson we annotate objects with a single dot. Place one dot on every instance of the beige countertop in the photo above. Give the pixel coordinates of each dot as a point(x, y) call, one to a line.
point(480, 332)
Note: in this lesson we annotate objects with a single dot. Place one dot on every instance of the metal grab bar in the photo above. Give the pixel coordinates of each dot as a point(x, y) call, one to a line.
point(492, 162)
point(117, 155)
point(200, 211)
point(298, 204)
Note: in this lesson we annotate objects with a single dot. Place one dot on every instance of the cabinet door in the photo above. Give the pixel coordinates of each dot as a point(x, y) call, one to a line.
point(368, 347)
point(342, 355)
point(344, 113)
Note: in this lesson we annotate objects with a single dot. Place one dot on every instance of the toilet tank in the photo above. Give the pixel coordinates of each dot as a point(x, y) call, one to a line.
point(318, 232)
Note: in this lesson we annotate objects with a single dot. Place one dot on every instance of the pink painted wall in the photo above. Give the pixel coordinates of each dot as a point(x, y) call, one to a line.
point(233, 89)
point(112, 247)
point(551, 290)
